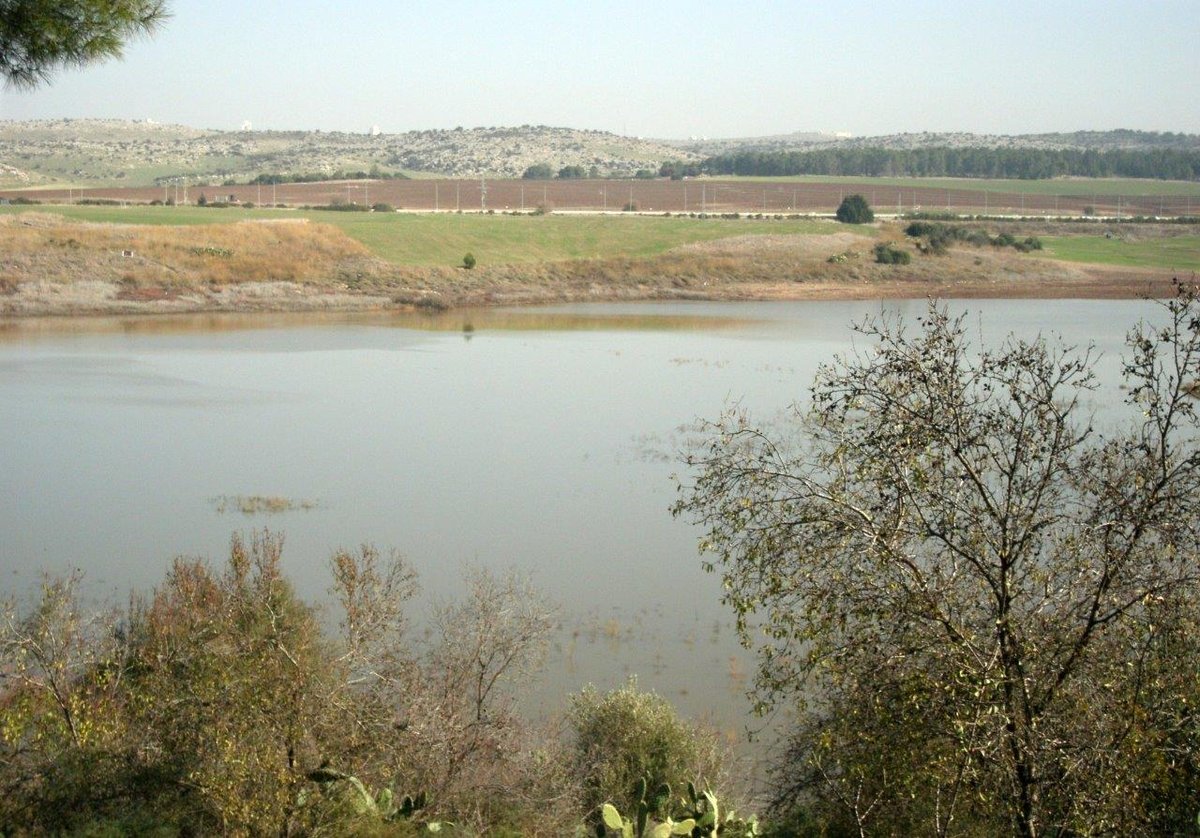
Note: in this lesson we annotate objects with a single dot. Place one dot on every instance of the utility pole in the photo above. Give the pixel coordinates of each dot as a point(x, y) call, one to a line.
point(435, 196)
point(483, 194)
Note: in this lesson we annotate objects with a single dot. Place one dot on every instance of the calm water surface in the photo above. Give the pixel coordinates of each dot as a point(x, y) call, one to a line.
point(540, 438)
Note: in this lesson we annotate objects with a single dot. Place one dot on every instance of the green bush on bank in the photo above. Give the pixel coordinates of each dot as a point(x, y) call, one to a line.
point(627, 735)
point(888, 254)
point(937, 237)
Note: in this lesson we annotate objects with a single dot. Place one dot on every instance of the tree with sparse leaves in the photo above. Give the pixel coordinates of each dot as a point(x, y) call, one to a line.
point(224, 704)
point(38, 37)
point(984, 608)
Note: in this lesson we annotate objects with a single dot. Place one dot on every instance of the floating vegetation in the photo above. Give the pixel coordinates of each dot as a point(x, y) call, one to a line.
point(653, 448)
point(260, 504)
point(680, 361)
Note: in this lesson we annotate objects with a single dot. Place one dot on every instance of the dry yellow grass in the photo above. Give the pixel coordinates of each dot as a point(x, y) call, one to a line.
point(42, 247)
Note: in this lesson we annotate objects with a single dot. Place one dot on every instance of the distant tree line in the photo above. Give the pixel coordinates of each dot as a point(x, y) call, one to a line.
point(1017, 163)
point(542, 171)
point(318, 177)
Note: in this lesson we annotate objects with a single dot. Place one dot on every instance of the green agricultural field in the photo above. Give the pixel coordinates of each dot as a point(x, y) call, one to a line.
point(433, 239)
point(1179, 253)
point(507, 239)
point(1078, 187)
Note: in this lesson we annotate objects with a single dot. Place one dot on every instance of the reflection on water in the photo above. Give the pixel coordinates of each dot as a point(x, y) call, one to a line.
point(465, 320)
point(546, 441)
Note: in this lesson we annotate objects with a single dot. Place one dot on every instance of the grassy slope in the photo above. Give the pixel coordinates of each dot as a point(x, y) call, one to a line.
point(1180, 253)
point(430, 240)
point(443, 239)
point(1082, 187)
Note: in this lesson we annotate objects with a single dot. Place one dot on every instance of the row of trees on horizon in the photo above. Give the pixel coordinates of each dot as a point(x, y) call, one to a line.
point(944, 161)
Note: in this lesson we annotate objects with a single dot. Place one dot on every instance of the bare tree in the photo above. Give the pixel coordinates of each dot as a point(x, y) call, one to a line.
point(486, 644)
point(975, 597)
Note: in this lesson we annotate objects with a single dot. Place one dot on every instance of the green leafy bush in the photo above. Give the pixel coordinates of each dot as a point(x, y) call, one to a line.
point(469, 261)
point(854, 209)
point(627, 735)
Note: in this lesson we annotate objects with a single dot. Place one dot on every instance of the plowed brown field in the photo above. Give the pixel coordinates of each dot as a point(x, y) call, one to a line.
point(706, 195)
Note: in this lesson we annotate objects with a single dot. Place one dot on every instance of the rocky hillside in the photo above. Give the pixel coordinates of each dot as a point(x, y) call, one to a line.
point(1099, 140)
point(95, 152)
point(86, 152)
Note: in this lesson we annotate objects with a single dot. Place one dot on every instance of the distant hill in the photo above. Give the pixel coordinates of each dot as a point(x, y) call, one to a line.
point(111, 152)
point(706, 147)
point(1120, 139)
point(89, 152)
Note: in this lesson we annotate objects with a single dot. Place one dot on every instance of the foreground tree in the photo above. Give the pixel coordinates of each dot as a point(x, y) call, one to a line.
point(40, 36)
point(984, 607)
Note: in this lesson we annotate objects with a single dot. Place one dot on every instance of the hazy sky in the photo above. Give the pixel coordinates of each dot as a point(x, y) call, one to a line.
point(654, 69)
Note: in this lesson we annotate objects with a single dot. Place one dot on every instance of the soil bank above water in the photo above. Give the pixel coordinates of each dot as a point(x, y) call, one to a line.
point(55, 266)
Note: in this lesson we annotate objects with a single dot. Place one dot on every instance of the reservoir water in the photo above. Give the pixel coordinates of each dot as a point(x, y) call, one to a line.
point(544, 439)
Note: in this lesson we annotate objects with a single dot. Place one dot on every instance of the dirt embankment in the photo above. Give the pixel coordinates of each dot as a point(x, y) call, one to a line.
point(50, 266)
